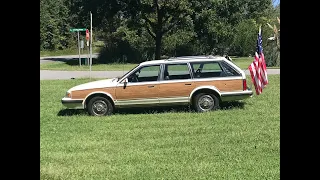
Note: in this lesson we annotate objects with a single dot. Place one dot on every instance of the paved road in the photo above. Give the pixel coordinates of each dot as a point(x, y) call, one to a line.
point(49, 74)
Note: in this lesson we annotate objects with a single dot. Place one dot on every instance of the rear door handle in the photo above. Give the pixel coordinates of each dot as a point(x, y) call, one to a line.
point(150, 86)
point(187, 84)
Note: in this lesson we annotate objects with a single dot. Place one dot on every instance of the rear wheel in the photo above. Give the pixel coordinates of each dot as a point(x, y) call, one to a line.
point(204, 102)
point(99, 106)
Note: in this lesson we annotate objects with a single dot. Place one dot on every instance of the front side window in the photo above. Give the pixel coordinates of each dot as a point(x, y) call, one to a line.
point(126, 73)
point(145, 74)
point(176, 72)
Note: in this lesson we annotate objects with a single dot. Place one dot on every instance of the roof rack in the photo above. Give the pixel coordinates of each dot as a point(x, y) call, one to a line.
point(192, 57)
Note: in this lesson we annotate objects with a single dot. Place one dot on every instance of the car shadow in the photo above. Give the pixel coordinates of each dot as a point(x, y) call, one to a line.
point(72, 112)
point(232, 105)
point(151, 110)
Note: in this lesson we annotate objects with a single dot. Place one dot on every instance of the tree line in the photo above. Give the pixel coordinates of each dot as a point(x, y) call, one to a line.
point(140, 30)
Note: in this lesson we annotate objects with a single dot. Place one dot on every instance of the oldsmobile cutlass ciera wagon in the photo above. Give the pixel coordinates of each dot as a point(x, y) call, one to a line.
point(200, 81)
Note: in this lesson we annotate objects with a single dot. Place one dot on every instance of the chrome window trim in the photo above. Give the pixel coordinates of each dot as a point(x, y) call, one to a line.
point(181, 81)
point(169, 100)
point(148, 101)
point(143, 101)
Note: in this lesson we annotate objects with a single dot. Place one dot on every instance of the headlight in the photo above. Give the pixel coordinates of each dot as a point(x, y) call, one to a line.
point(68, 94)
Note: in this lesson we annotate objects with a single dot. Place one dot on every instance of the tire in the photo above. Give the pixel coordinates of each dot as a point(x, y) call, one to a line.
point(99, 106)
point(204, 102)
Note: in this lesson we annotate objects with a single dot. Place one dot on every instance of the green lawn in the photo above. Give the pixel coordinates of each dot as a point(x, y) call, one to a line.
point(73, 65)
point(240, 141)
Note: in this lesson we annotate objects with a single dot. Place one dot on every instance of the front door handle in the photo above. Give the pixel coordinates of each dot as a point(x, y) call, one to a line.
point(187, 84)
point(150, 86)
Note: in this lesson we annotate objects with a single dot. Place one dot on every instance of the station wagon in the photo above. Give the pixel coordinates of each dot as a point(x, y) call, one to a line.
point(200, 81)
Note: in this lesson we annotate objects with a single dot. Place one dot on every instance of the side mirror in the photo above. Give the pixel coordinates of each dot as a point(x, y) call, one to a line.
point(125, 82)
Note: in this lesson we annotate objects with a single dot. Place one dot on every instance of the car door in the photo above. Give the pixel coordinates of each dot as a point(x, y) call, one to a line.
point(142, 87)
point(176, 84)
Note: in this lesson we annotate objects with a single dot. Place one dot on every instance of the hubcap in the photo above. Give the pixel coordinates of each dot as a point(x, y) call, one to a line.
point(99, 107)
point(206, 103)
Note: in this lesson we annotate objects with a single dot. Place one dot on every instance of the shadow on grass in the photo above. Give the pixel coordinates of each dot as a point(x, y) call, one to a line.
point(151, 110)
point(71, 112)
point(73, 61)
point(232, 105)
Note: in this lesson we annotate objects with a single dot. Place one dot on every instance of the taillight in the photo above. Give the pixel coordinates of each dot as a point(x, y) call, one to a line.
point(244, 84)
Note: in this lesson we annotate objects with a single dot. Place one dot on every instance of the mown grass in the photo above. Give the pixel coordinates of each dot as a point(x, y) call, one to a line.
point(73, 65)
point(240, 141)
point(244, 62)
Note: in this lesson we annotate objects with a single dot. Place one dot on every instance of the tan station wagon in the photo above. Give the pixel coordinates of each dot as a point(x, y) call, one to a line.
point(200, 81)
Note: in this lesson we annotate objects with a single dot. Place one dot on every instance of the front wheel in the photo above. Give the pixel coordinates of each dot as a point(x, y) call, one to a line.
point(99, 106)
point(204, 102)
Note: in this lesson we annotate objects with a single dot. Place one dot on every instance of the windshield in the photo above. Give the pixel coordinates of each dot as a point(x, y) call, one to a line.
point(126, 73)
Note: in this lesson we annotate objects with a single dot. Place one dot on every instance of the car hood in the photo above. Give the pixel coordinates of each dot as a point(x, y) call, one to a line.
point(96, 84)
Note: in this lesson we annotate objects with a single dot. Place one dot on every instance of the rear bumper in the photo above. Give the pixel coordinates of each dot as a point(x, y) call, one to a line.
point(72, 103)
point(233, 96)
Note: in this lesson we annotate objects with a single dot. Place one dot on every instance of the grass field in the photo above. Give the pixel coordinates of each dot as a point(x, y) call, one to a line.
point(73, 65)
point(240, 141)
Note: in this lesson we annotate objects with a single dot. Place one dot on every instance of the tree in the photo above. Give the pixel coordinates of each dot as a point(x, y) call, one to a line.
point(216, 22)
point(54, 24)
point(276, 38)
point(245, 37)
point(159, 17)
point(272, 31)
point(276, 35)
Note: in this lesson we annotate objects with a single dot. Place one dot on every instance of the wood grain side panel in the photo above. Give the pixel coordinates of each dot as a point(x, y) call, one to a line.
point(223, 85)
point(137, 92)
point(81, 94)
point(176, 89)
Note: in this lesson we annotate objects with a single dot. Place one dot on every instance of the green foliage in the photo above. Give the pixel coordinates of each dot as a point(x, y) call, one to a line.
point(54, 27)
point(273, 45)
point(272, 56)
point(245, 38)
point(127, 45)
point(159, 18)
point(139, 30)
point(175, 43)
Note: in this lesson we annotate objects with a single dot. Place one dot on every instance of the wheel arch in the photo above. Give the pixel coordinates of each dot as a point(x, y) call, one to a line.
point(204, 89)
point(95, 94)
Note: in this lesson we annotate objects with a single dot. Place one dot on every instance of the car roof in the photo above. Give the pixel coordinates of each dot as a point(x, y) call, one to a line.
point(185, 59)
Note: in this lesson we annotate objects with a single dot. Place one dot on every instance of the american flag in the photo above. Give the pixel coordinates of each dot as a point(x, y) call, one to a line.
point(258, 69)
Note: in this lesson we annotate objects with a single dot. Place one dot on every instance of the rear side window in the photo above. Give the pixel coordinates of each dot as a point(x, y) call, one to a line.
point(176, 72)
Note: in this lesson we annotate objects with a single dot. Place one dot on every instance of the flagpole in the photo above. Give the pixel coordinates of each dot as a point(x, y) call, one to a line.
point(90, 42)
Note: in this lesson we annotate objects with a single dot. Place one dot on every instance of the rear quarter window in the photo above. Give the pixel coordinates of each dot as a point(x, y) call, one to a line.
point(206, 69)
point(228, 70)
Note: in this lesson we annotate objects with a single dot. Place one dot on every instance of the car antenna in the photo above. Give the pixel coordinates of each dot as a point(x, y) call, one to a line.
point(123, 64)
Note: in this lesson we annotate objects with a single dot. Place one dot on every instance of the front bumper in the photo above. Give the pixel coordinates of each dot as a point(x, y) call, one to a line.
point(72, 103)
